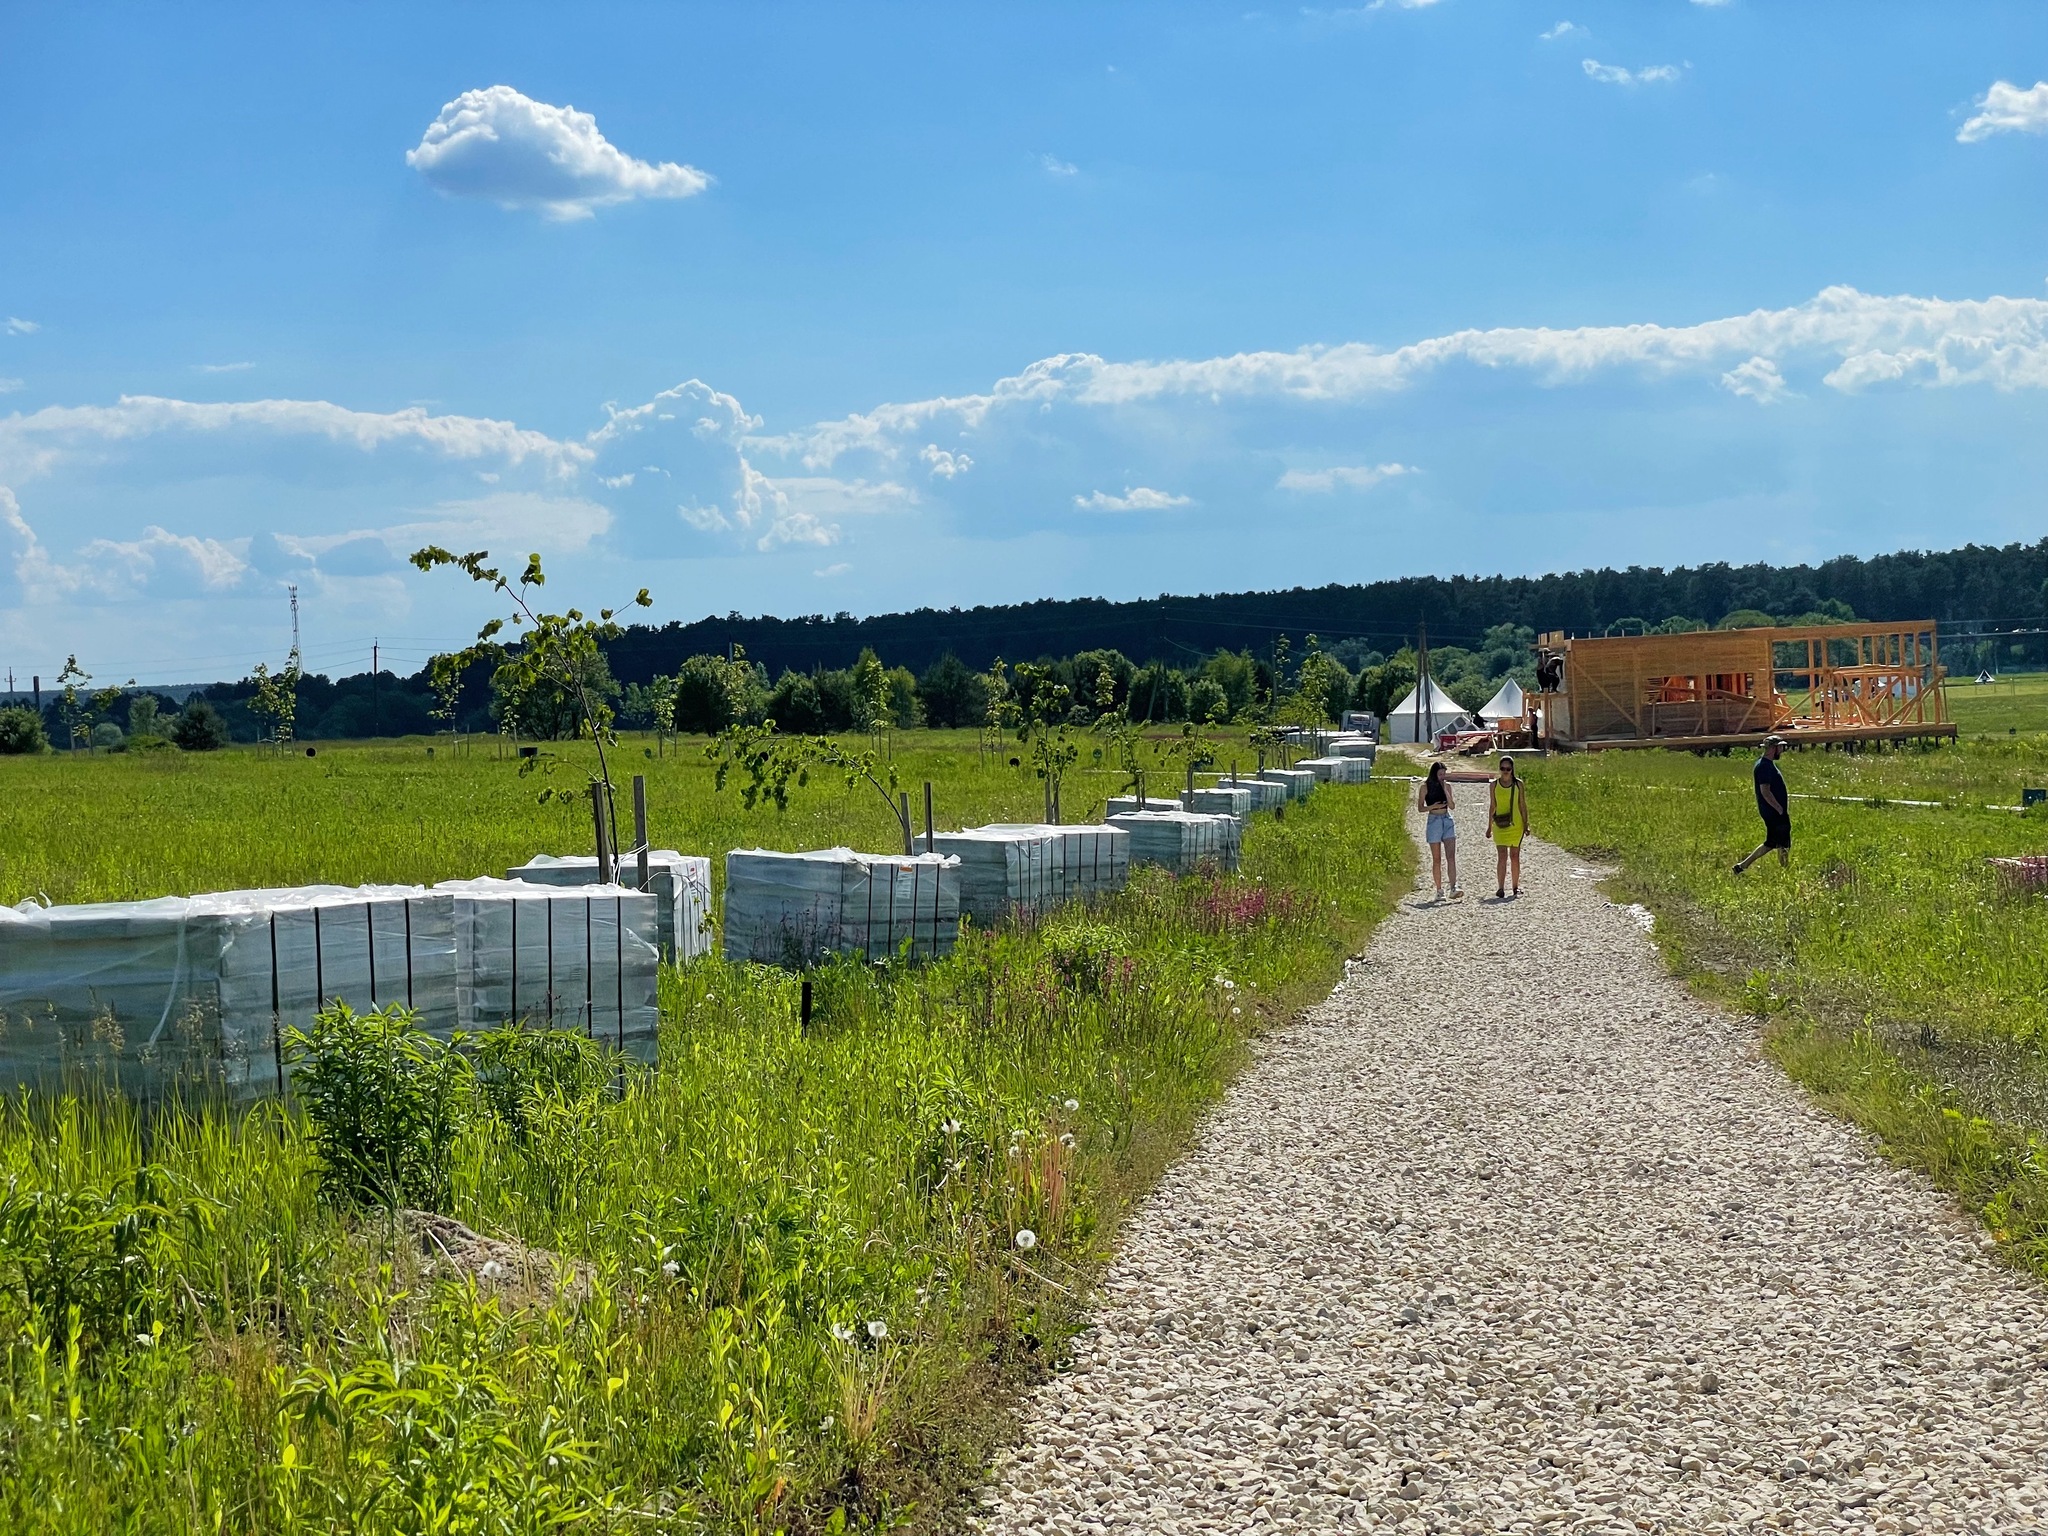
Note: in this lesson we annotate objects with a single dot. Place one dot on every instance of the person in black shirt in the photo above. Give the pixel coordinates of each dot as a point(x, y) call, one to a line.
point(1774, 804)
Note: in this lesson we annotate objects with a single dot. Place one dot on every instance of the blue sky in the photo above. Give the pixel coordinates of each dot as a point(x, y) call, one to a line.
point(795, 309)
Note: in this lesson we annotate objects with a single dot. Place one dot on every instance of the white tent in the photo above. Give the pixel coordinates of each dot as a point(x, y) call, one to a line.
point(1411, 721)
point(1986, 677)
point(1505, 706)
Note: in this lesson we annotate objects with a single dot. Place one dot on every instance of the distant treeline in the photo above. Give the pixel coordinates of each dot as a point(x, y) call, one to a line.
point(1171, 656)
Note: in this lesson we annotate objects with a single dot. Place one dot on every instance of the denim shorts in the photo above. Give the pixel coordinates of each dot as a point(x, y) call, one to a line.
point(1441, 828)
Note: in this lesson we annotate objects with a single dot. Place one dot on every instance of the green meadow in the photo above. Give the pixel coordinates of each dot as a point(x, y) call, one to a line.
point(790, 1280)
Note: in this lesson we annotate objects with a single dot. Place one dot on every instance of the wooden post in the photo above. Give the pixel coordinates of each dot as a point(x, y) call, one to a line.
point(803, 1017)
point(604, 860)
point(903, 815)
point(640, 824)
point(931, 842)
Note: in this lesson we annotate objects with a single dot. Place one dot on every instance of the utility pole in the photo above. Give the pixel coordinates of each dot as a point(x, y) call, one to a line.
point(1422, 698)
point(373, 688)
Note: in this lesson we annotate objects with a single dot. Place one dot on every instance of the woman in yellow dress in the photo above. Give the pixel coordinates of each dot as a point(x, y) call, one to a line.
point(1507, 823)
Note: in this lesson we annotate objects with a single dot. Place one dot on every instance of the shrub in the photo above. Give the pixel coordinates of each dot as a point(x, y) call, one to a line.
point(386, 1101)
point(199, 727)
point(21, 731)
point(1090, 958)
point(89, 1257)
point(519, 1068)
point(108, 736)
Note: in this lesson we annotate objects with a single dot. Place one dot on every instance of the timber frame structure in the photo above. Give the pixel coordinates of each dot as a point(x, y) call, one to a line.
point(1713, 689)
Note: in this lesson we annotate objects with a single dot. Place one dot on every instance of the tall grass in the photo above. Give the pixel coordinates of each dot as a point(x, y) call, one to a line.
point(783, 1279)
point(1904, 982)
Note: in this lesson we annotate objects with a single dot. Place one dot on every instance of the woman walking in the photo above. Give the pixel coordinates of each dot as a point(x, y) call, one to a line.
point(1507, 824)
point(1434, 800)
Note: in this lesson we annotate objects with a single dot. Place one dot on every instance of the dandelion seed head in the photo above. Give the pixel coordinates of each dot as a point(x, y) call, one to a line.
point(877, 1329)
point(1234, 1012)
point(671, 1269)
point(1072, 1105)
point(1066, 1138)
point(842, 1333)
point(1026, 1239)
point(951, 1127)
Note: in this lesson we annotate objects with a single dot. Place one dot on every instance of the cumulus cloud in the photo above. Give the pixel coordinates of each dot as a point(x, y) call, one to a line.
point(1350, 477)
point(944, 464)
point(1614, 74)
point(183, 564)
point(16, 326)
point(2005, 108)
point(1758, 380)
point(520, 153)
point(1562, 29)
point(1136, 498)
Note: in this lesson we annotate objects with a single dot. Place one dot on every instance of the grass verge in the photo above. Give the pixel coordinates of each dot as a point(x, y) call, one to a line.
point(782, 1283)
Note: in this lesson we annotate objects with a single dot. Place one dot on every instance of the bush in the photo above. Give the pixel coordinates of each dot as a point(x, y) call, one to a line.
point(21, 731)
point(89, 1257)
point(108, 736)
point(519, 1068)
point(199, 727)
point(386, 1101)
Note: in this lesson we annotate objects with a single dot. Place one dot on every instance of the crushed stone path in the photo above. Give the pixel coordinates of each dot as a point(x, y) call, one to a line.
point(1513, 1234)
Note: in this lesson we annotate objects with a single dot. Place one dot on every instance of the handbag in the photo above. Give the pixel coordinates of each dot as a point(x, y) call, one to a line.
point(1504, 819)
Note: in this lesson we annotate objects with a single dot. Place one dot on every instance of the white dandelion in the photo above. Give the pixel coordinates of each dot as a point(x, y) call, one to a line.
point(878, 1330)
point(1026, 1239)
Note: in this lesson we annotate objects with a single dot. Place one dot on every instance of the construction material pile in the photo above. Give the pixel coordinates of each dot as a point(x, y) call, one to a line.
point(1182, 841)
point(1339, 770)
point(681, 883)
point(1087, 861)
point(795, 909)
point(1221, 800)
point(1004, 871)
point(1296, 781)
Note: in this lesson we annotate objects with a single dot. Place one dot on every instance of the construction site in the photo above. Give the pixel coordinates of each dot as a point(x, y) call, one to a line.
point(1829, 684)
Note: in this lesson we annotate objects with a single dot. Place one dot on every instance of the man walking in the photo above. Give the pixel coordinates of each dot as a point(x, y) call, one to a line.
point(1774, 804)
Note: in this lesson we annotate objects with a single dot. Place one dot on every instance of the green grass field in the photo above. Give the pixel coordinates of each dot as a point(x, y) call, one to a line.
point(2016, 702)
point(1907, 986)
point(196, 1340)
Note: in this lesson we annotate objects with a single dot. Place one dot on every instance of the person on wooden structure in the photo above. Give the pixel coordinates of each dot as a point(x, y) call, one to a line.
point(1507, 823)
point(1774, 804)
point(1435, 801)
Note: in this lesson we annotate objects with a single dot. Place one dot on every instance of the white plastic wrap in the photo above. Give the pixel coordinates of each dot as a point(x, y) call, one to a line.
point(1088, 860)
point(1338, 770)
point(583, 957)
point(1123, 805)
point(794, 909)
point(1297, 781)
point(681, 882)
point(1266, 794)
point(1004, 871)
point(1181, 841)
point(1221, 800)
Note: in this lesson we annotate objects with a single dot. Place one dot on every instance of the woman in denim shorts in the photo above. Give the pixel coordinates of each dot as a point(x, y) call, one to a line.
point(1435, 801)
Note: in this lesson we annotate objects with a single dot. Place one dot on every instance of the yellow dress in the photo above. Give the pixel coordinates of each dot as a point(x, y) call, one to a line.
point(1509, 836)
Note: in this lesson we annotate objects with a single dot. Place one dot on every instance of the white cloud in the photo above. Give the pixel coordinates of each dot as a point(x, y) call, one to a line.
point(945, 465)
point(18, 327)
point(113, 568)
point(1711, 5)
point(1562, 29)
point(1614, 74)
point(1136, 498)
point(1353, 477)
point(1758, 379)
point(9, 386)
point(522, 153)
point(2005, 108)
point(837, 568)
point(224, 367)
point(1054, 166)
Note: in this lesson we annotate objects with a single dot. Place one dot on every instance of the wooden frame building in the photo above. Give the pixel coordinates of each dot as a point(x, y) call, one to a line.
point(1723, 688)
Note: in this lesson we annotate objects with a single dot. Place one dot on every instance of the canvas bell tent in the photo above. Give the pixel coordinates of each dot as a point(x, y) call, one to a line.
point(1414, 720)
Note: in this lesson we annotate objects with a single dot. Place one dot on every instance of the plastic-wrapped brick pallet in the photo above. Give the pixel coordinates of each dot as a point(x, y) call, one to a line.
point(1366, 747)
point(1182, 841)
point(1123, 805)
point(1088, 860)
point(1220, 800)
point(584, 957)
point(1339, 770)
point(147, 996)
point(1298, 781)
point(1004, 871)
point(1266, 795)
point(793, 909)
point(681, 882)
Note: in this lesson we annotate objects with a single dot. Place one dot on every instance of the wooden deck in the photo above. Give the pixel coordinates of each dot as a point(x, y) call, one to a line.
point(1794, 736)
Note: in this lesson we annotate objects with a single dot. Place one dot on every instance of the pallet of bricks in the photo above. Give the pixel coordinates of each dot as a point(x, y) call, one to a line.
point(1182, 841)
point(796, 909)
point(149, 997)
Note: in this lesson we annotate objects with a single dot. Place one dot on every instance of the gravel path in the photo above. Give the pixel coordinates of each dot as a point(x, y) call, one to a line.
point(1513, 1234)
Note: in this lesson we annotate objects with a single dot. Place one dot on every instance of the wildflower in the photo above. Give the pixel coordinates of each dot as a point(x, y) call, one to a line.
point(825, 1424)
point(877, 1330)
point(146, 1340)
point(671, 1269)
point(1066, 1138)
point(1013, 1149)
point(1234, 1012)
point(1072, 1105)
point(552, 1463)
point(1026, 1239)
point(951, 1127)
point(842, 1333)
point(492, 1269)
